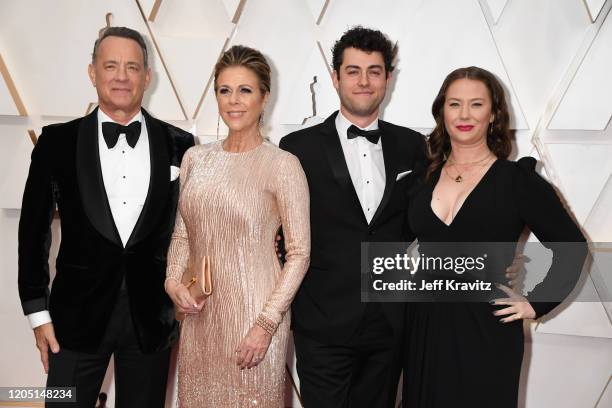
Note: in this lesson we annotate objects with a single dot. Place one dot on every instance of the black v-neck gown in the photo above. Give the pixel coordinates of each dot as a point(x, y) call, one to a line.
point(459, 354)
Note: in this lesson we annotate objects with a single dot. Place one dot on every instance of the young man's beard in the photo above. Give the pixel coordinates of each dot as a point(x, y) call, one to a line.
point(360, 111)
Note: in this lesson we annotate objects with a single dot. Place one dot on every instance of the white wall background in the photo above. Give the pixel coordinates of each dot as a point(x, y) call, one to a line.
point(554, 57)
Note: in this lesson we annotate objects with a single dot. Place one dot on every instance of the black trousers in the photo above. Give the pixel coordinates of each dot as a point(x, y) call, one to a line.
point(140, 379)
point(362, 373)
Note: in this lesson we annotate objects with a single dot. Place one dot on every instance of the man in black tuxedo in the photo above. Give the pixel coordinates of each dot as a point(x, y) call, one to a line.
point(358, 169)
point(113, 177)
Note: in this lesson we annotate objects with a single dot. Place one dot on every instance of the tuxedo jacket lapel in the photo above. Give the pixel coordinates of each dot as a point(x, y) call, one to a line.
point(90, 180)
point(390, 154)
point(159, 183)
point(337, 162)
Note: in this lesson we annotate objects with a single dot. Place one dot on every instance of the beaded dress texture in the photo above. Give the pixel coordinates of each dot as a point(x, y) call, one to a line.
point(230, 208)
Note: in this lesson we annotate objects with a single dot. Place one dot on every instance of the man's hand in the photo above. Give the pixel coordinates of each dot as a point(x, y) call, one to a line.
point(279, 245)
point(45, 339)
point(513, 272)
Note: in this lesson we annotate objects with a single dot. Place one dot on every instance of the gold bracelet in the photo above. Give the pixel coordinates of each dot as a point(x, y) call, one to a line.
point(266, 324)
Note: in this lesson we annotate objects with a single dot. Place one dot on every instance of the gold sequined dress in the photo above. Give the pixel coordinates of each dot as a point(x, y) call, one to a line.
point(230, 208)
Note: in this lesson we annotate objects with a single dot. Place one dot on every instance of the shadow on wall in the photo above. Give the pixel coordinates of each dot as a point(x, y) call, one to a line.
point(155, 72)
point(390, 90)
point(272, 99)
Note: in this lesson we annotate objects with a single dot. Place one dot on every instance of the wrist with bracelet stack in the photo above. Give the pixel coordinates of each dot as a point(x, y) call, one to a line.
point(266, 324)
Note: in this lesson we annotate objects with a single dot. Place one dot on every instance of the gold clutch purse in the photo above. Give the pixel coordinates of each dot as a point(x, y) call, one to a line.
point(198, 280)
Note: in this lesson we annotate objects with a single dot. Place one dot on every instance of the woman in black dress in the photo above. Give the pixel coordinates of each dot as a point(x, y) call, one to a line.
point(469, 354)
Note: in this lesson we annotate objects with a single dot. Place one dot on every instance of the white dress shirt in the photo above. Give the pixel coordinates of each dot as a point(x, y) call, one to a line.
point(366, 165)
point(126, 173)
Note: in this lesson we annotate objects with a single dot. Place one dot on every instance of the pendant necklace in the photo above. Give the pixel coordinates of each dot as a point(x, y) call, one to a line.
point(459, 177)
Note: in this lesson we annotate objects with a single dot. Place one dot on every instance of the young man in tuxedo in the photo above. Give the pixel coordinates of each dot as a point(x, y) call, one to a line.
point(358, 167)
point(113, 177)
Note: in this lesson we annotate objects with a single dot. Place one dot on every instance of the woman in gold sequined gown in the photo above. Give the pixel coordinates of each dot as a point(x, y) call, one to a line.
point(235, 194)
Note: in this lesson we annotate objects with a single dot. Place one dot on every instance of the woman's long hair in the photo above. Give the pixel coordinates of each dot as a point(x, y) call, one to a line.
point(498, 137)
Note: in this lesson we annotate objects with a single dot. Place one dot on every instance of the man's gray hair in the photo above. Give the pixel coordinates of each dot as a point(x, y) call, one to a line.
point(122, 32)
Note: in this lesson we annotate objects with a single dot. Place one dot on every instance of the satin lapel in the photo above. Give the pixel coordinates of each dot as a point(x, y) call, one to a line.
point(157, 196)
point(337, 162)
point(90, 180)
point(390, 154)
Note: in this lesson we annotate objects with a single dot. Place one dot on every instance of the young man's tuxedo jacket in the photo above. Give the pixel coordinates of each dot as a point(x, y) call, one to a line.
point(92, 264)
point(328, 304)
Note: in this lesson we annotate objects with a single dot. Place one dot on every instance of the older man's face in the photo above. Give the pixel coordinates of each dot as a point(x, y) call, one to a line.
point(120, 76)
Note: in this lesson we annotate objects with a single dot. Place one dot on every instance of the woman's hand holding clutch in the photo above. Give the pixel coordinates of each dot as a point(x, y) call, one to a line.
point(252, 349)
point(182, 298)
point(518, 306)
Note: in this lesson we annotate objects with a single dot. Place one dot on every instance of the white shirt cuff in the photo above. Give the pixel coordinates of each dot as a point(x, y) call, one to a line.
point(39, 318)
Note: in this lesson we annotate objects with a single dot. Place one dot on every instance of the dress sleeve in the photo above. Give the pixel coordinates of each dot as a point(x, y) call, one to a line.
point(293, 202)
point(543, 212)
point(178, 252)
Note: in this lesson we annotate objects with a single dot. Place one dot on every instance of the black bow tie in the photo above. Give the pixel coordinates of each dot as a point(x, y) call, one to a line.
point(112, 130)
point(371, 135)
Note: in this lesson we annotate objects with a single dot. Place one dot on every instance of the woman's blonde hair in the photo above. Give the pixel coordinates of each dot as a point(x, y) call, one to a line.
point(250, 58)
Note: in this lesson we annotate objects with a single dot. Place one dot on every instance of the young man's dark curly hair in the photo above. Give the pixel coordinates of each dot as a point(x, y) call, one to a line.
point(364, 39)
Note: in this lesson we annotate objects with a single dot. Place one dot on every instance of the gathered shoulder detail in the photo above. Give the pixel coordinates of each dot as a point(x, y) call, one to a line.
point(527, 163)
